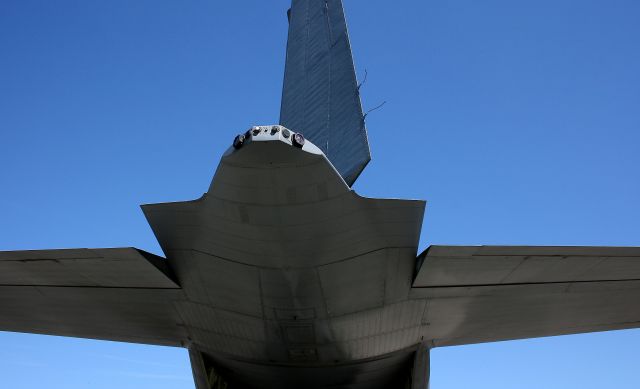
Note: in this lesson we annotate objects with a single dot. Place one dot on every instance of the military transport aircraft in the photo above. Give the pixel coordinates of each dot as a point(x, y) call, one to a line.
point(281, 276)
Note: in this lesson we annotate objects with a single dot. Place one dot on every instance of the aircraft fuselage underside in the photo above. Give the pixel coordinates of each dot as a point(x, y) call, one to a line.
point(287, 272)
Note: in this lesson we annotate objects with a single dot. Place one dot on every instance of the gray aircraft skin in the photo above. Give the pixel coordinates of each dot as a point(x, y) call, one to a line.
point(281, 276)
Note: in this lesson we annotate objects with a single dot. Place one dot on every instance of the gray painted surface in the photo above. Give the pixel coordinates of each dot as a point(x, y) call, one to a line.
point(504, 265)
point(491, 293)
point(287, 278)
point(280, 276)
point(199, 370)
point(421, 368)
point(276, 261)
point(320, 97)
point(119, 267)
point(111, 294)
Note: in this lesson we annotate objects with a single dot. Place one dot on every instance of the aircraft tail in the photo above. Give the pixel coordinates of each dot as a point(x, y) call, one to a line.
point(320, 97)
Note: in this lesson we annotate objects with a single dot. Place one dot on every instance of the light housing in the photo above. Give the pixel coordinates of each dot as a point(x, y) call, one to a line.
point(238, 141)
point(298, 140)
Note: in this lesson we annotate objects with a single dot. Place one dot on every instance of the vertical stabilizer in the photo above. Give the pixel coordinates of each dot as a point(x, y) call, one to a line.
point(320, 97)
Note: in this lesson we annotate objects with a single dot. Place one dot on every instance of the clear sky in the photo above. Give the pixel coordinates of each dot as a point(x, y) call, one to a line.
point(518, 122)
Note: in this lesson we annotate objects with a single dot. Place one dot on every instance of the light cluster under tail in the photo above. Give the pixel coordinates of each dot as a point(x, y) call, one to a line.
point(320, 97)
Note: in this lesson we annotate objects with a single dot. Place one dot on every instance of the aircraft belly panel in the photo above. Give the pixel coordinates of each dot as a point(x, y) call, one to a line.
point(280, 261)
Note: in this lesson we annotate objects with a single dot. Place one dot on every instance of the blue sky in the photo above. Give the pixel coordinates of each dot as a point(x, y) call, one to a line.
point(518, 122)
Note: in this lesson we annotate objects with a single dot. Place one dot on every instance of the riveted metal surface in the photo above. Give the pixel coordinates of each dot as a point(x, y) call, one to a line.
point(117, 267)
point(320, 97)
point(491, 293)
point(488, 265)
point(282, 251)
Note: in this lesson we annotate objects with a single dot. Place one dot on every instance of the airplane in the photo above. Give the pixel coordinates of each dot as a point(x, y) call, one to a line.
point(282, 276)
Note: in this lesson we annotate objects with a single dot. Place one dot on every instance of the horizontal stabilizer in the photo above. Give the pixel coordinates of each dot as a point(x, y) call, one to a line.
point(492, 293)
point(120, 294)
